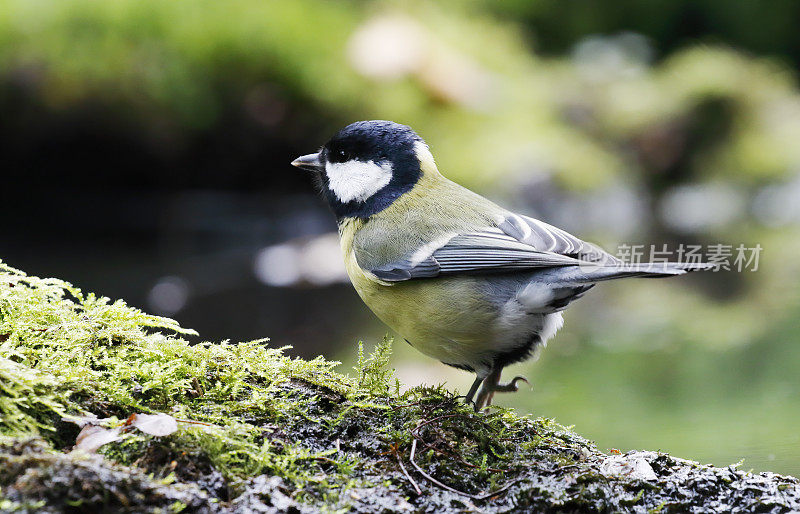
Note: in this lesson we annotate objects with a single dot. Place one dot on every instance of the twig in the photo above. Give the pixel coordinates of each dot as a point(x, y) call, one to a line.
point(325, 459)
point(423, 473)
point(501, 490)
point(437, 418)
point(193, 422)
point(406, 405)
point(415, 433)
point(403, 468)
point(564, 469)
point(445, 486)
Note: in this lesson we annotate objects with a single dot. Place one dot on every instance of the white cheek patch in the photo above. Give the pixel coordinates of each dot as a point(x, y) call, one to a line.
point(357, 180)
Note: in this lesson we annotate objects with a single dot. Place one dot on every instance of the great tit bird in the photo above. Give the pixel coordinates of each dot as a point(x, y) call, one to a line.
point(462, 279)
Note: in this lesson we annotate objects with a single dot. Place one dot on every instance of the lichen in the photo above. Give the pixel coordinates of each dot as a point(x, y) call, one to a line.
point(261, 431)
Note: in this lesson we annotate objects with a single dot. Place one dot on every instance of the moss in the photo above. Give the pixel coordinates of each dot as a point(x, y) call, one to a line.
point(27, 400)
point(261, 430)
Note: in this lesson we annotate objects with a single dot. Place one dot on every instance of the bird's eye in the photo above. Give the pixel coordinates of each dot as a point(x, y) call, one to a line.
point(341, 154)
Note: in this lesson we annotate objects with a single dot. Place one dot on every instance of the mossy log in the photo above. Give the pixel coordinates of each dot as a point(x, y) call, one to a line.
point(259, 431)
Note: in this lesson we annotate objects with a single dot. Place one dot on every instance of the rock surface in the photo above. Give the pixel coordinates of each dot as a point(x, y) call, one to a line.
point(244, 428)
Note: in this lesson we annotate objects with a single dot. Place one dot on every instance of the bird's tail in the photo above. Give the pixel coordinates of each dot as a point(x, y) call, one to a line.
point(590, 272)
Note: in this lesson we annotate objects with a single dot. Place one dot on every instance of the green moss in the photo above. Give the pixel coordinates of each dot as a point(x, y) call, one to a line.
point(258, 427)
point(27, 401)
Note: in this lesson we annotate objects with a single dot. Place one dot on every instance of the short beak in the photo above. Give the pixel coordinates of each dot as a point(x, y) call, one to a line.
point(308, 162)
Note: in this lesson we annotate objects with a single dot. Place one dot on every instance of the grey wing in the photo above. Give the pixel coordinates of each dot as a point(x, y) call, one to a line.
point(544, 237)
point(516, 243)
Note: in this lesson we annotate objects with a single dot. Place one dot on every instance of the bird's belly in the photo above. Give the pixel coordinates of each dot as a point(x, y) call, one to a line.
point(444, 321)
point(456, 320)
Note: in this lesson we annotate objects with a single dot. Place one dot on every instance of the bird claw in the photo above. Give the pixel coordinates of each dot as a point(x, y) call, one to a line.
point(510, 387)
point(486, 394)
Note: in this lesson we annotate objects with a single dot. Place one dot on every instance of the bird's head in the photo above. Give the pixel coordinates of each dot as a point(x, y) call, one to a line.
point(368, 165)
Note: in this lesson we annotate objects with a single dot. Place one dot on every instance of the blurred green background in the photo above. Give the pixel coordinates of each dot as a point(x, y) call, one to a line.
point(145, 149)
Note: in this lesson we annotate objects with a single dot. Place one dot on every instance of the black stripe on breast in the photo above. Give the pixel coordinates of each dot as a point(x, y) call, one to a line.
point(518, 354)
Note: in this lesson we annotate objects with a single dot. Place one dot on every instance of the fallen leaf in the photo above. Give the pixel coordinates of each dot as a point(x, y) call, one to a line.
point(92, 437)
point(154, 424)
point(82, 421)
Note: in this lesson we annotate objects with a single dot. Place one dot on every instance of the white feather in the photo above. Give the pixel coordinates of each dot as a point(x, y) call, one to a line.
point(426, 250)
point(552, 322)
point(357, 180)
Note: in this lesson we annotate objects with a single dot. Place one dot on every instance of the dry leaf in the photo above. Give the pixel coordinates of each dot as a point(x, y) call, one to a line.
point(82, 421)
point(92, 437)
point(154, 424)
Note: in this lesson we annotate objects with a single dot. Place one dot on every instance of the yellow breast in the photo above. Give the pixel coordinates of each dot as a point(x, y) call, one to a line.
point(444, 318)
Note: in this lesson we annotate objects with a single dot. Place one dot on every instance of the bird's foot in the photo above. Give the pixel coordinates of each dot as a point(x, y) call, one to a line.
point(509, 387)
point(486, 394)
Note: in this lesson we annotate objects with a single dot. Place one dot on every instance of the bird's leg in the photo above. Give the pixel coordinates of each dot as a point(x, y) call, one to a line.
point(484, 395)
point(473, 389)
point(491, 385)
